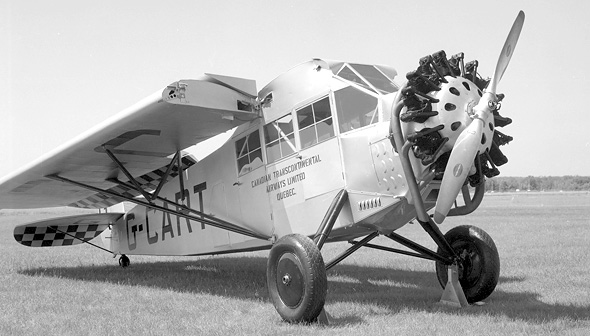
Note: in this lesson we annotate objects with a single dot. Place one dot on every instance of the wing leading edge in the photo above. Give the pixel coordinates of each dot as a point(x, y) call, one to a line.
point(144, 137)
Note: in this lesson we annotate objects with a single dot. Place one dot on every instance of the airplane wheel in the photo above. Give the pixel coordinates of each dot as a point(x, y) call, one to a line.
point(124, 261)
point(296, 278)
point(479, 269)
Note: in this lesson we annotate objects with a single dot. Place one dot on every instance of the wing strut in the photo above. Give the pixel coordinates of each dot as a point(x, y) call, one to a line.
point(166, 174)
point(182, 207)
point(204, 218)
point(128, 174)
point(180, 176)
point(150, 197)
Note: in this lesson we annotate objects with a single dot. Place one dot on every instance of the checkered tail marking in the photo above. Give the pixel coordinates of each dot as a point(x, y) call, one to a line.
point(57, 235)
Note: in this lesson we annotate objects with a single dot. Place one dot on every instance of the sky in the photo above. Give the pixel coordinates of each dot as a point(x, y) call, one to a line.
point(68, 65)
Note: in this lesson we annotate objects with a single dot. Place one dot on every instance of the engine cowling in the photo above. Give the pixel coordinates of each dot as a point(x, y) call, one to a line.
point(439, 99)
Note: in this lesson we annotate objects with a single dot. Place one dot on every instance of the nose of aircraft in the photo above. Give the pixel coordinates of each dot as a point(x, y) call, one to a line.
point(451, 122)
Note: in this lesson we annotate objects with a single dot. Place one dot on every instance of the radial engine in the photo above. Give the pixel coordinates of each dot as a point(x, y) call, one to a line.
point(439, 99)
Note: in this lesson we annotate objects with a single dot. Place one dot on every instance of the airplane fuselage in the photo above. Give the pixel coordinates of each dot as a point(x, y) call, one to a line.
point(324, 128)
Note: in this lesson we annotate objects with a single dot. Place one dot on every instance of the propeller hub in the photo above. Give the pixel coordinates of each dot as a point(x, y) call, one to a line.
point(470, 106)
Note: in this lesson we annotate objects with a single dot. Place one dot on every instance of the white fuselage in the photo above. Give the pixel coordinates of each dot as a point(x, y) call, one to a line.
point(320, 132)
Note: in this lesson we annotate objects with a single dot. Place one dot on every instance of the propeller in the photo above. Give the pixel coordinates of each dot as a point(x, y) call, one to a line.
point(470, 140)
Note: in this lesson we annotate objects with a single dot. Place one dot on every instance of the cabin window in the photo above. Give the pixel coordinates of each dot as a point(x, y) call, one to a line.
point(249, 153)
point(315, 123)
point(279, 138)
point(355, 109)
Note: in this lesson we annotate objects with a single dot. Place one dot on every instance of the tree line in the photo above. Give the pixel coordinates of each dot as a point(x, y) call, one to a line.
point(542, 183)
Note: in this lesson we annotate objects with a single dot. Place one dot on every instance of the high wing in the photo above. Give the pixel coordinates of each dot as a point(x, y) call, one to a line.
point(143, 138)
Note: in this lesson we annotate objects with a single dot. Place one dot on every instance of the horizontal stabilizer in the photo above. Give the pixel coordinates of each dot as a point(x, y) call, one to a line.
point(64, 231)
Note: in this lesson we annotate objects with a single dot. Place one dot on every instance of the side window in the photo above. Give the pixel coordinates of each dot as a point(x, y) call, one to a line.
point(355, 109)
point(249, 153)
point(315, 123)
point(279, 138)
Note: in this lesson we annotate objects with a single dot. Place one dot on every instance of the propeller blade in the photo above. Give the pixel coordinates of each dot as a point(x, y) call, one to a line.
point(458, 168)
point(469, 140)
point(507, 51)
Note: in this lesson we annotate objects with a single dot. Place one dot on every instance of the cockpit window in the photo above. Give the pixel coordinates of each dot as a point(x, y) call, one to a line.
point(249, 153)
point(375, 77)
point(315, 123)
point(348, 74)
point(279, 138)
point(355, 109)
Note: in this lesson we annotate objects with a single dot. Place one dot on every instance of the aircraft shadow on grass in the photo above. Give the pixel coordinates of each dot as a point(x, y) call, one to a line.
point(245, 278)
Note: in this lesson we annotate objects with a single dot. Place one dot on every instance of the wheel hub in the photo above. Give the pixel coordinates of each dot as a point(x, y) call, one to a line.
point(287, 279)
point(290, 280)
point(469, 264)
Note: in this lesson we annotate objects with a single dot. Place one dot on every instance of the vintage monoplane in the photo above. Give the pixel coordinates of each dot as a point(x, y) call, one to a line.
point(329, 151)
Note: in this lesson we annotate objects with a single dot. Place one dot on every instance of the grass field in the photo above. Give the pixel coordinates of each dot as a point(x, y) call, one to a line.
point(543, 240)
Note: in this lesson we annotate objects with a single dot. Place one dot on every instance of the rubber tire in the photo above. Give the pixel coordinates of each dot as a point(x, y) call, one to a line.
point(480, 269)
point(304, 301)
point(124, 261)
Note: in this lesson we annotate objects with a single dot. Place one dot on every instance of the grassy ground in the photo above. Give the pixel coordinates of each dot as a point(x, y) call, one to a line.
point(543, 239)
